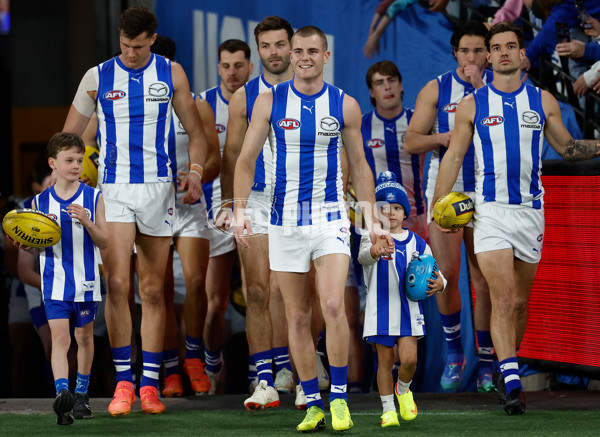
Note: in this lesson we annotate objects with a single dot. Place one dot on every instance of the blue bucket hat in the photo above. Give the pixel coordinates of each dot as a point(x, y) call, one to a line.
point(390, 191)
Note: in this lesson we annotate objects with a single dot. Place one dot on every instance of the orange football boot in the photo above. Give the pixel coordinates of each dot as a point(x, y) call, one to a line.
point(199, 380)
point(150, 402)
point(123, 399)
point(173, 387)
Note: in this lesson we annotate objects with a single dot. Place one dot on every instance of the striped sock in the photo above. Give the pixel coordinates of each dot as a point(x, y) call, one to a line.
point(339, 383)
point(281, 355)
point(83, 382)
point(510, 370)
point(151, 368)
point(171, 361)
point(122, 360)
point(451, 324)
point(61, 384)
point(214, 360)
point(486, 352)
point(251, 370)
point(193, 347)
point(264, 366)
point(312, 393)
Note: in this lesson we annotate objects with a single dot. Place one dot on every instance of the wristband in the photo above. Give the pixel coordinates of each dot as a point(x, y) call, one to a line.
point(199, 168)
point(198, 173)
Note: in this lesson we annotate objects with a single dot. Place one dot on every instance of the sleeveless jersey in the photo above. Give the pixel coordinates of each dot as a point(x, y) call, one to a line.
point(134, 116)
point(220, 107)
point(508, 142)
point(69, 269)
point(264, 163)
point(452, 89)
point(306, 136)
point(383, 142)
point(178, 151)
point(388, 310)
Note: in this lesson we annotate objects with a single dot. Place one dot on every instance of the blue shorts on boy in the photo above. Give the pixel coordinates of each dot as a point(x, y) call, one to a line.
point(82, 313)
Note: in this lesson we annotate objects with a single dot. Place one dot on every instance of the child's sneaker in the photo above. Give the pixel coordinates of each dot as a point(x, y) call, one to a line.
point(81, 408)
point(408, 408)
point(62, 406)
point(389, 418)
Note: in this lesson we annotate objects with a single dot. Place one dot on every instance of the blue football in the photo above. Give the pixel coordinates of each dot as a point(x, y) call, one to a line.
point(419, 270)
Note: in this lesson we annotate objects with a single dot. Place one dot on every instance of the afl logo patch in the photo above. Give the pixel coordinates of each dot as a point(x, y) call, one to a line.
point(54, 217)
point(375, 143)
point(220, 128)
point(114, 95)
point(387, 257)
point(493, 120)
point(451, 107)
point(170, 211)
point(288, 123)
point(84, 313)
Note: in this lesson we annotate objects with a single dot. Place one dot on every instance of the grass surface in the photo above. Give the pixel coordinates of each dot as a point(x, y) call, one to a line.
point(283, 422)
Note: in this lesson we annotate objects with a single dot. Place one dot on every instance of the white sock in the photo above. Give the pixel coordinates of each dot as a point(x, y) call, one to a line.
point(402, 387)
point(388, 403)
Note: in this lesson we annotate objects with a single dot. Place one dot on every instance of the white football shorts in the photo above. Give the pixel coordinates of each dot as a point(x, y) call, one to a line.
point(150, 206)
point(516, 227)
point(190, 220)
point(292, 248)
point(258, 209)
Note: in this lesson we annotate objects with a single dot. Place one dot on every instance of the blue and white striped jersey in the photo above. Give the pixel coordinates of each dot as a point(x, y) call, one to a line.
point(306, 136)
point(383, 141)
point(134, 116)
point(509, 136)
point(452, 89)
point(388, 310)
point(220, 107)
point(69, 269)
point(264, 163)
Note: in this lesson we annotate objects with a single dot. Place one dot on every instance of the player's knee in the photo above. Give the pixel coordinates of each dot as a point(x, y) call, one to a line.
point(196, 284)
point(118, 287)
point(61, 339)
point(257, 298)
point(298, 321)
point(84, 339)
point(333, 310)
point(151, 294)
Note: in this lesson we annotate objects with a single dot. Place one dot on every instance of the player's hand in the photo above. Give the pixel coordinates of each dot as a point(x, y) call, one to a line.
point(474, 75)
point(378, 232)
point(381, 247)
point(580, 87)
point(241, 223)
point(371, 47)
point(192, 184)
point(435, 285)
point(21, 245)
point(223, 219)
point(444, 138)
point(573, 49)
point(596, 84)
point(78, 212)
point(85, 180)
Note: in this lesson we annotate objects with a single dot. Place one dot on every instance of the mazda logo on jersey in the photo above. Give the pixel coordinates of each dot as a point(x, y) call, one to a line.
point(114, 95)
point(531, 120)
point(180, 126)
point(158, 89)
point(492, 120)
point(220, 128)
point(288, 123)
point(451, 107)
point(375, 143)
point(329, 124)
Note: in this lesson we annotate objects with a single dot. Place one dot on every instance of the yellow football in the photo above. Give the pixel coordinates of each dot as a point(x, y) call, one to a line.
point(453, 211)
point(90, 165)
point(31, 228)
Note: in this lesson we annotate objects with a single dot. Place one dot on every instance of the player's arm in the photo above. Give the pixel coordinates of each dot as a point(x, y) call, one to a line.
point(28, 274)
point(186, 110)
point(360, 172)
point(97, 229)
point(419, 138)
point(84, 104)
point(255, 138)
point(559, 137)
point(459, 144)
point(237, 125)
point(213, 155)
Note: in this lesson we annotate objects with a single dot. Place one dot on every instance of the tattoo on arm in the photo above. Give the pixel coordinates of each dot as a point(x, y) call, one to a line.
point(579, 150)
